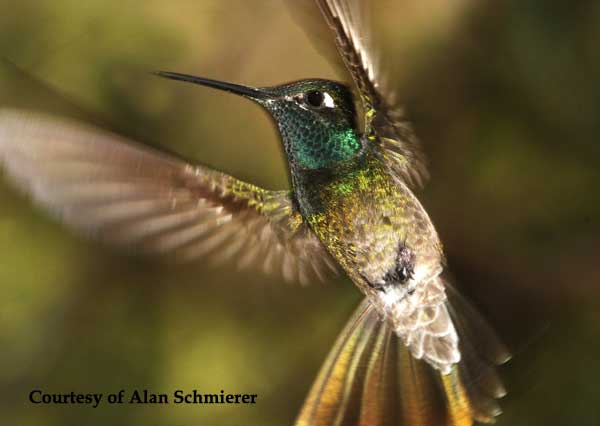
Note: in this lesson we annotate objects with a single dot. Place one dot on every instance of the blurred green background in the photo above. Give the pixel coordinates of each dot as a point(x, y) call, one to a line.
point(506, 99)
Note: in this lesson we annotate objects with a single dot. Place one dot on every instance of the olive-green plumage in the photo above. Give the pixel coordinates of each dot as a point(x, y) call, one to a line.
point(415, 353)
point(362, 214)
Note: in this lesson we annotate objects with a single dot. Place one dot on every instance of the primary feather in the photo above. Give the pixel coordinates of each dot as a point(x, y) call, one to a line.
point(384, 124)
point(124, 193)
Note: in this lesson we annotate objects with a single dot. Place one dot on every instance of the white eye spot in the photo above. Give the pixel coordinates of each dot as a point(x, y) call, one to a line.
point(328, 101)
point(315, 99)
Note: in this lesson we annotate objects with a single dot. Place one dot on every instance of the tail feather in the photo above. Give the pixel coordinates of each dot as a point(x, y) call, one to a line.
point(378, 383)
point(329, 395)
point(370, 378)
point(475, 328)
point(421, 403)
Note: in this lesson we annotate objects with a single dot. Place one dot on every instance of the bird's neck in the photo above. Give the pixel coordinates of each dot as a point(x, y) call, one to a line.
point(321, 148)
point(313, 186)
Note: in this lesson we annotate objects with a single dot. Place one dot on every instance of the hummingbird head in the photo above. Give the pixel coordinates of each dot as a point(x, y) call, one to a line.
point(316, 118)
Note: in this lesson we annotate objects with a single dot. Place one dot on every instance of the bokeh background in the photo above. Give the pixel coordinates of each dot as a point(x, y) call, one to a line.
point(505, 96)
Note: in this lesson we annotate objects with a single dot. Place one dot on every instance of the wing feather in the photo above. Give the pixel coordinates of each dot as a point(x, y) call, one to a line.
point(127, 194)
point(385, 125)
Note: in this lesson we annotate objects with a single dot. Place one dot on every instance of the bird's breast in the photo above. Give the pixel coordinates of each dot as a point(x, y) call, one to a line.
point(364, 216)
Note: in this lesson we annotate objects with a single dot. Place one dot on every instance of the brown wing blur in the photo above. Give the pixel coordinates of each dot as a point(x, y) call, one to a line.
point(124, 193)
point(384, 123)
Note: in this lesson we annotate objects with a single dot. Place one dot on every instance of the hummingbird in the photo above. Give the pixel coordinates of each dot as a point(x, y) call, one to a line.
point(415, 352)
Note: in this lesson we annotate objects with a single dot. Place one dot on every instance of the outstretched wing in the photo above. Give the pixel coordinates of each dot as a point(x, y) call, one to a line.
point(384, 123)
point(121, 192)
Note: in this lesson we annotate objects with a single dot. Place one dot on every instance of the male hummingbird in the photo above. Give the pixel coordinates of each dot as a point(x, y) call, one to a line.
point(414, 352)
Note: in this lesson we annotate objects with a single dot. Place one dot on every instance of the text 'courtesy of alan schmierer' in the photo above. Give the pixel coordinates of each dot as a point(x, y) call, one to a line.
point(144, 396)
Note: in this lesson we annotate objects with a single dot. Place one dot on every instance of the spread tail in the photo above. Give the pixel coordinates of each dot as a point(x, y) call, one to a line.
point(370, 378)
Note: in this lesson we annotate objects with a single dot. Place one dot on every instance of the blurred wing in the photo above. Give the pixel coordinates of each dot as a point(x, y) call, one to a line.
point(384, 123)
point(121, 192)
point(370, 378)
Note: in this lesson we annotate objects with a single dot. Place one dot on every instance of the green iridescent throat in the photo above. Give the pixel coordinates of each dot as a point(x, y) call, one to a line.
point(323, 151)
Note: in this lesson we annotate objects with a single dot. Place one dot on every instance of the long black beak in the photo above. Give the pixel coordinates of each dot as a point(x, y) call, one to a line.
point(250, 92)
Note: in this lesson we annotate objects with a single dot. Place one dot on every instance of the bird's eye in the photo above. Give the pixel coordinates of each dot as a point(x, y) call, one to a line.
point(315, 98)
point(318, 99)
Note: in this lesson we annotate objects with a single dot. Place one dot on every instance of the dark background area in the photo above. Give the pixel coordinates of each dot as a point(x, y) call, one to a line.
point(505, 96)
